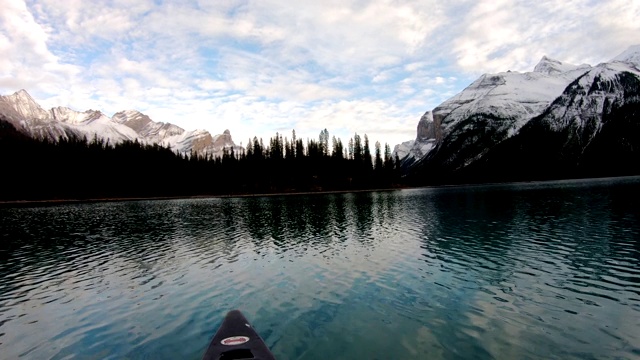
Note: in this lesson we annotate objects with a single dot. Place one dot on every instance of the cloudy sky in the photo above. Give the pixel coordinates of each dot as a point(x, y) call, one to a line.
point(266, 66)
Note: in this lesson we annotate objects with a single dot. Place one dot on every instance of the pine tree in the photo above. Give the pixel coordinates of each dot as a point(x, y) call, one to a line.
point(378, 162)
point(351, 149)
point(338, 151)
point(287, 149)
point(367, 154)
point(299, 149)
point(249, 148)
point(276, 147)
point(357, 149)
point(324, 142)
point(293, 143)
point(388, 162)
point(257, 148)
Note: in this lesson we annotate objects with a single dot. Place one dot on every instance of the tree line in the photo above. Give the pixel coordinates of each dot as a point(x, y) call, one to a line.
point(80, 168)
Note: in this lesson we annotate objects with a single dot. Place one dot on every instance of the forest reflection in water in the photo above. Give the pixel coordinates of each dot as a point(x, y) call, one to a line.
point(533, 270)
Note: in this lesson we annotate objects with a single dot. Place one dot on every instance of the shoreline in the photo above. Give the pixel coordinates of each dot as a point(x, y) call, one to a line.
point(219, 196)
point(295, 193)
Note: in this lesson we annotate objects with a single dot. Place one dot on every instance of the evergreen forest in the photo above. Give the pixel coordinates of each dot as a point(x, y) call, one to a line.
point(80, 168)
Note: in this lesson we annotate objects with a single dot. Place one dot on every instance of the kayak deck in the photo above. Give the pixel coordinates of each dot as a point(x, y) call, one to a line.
point(236, 339)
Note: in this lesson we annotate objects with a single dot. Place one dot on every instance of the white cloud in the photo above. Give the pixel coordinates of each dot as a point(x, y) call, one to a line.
point(504, 34)
point(27, 61)
point(257, 67)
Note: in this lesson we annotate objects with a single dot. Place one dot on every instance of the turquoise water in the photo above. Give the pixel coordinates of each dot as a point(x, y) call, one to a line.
point(526, 271)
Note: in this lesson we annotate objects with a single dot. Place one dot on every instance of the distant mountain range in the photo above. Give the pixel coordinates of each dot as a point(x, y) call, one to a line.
point(560, 120)
point(31, 119)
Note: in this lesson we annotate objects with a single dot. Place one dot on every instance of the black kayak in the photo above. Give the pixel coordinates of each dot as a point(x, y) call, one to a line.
point(236, 339)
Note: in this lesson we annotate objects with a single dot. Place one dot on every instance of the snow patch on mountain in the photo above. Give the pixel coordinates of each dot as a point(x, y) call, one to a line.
point(25, 113)
point(70, 116)
point(586, 99)
point(509, 95)
point(103, 127)
point(551, 66)
point(495, 107)
point(629, 56)
point(147, 129)
point(413, 150)
point(511, 99)
point(21, 105)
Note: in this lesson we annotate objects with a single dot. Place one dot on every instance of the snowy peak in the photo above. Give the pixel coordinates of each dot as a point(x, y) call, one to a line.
point(546, 65)
point(512, 96)
point(70, 116)
point(597, 93)
point(22, 96)
point(132, 118)
point(61, 122)
point(203, 143)
point(554, 67)
point(21, 105)
point(223, 140)
point(428, 132)
point(147, 129)
point(495, 107)
point(631, 56)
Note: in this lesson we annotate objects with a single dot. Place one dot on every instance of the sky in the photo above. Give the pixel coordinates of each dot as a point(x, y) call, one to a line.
point(266, 66)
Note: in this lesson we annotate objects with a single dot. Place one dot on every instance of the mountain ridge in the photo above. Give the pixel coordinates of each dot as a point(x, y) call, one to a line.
point(498, 107)
point(29, 117)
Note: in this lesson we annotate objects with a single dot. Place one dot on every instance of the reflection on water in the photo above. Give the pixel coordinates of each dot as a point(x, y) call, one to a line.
point(540, 270)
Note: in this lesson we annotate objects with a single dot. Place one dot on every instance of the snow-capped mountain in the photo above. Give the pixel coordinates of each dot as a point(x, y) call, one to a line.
point(166, 134)
point(593, 128)
point(155, 132)
point(21, 105)
point(414, 150)
point(497, 107)
point(28, 116)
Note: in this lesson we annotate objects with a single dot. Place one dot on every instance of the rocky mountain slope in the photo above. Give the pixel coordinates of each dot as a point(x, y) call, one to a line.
point(26, 115)
point(559, 112)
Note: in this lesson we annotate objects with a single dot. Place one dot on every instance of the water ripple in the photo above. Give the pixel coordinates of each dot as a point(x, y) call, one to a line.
point(502, 271)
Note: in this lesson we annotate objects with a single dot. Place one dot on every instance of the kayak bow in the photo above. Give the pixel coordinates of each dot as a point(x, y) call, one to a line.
point(236, 339)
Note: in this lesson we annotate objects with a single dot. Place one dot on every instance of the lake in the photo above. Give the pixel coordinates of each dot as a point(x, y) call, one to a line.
point(512, 271)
